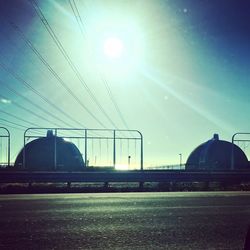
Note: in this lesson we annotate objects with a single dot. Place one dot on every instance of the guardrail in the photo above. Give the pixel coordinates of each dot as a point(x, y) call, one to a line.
point(126, 176)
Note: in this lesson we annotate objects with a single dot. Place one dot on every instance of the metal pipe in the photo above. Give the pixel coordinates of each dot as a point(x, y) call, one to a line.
point(114, 151)
point(55, 152)
point(86, 145)
point(88, 137)
point(8, 142)
point(141, 148)
point(180, 159)
point(232, 151)
point(24, 148)
point(8, 148)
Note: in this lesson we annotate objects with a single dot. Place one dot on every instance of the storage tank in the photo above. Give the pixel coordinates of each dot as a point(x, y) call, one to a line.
point(50, 153)
point(216, 154)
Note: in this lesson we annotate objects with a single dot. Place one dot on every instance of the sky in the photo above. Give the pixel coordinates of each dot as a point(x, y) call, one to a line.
point(182, 73)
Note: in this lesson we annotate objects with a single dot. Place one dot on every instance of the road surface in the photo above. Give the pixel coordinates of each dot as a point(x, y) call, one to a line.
point(201, 220)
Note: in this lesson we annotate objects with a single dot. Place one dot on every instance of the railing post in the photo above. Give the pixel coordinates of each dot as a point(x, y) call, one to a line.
point(114, 151)
point(141, 151)
point(232, 153)
point(85, 149)
point(8, 148)
point(55, 152)
point(24, 148)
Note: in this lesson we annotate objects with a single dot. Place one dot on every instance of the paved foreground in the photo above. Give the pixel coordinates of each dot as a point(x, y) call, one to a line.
point(125, 221)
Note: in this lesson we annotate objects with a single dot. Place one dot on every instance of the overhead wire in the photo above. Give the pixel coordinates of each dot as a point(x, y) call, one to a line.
point(31, 112)
point(10, 126)
point(19, 118)
point(53, 72)
point(3, 84)
point(45, 99)
point(13, 123)
point(112, 98)
point(70, 62)
point(36, 126)
point(77, 16)
point(36, 114)
point(19, 125)
point(102, 78)
point(35, 105)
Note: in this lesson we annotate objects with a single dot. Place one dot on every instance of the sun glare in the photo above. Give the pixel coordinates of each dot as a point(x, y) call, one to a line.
point(113, 47)
point(121, 167)
point(116, 43)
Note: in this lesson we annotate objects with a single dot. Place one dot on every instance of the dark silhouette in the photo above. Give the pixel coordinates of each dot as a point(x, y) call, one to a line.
point(247, 240)
point(216, 154)
point(40, 155)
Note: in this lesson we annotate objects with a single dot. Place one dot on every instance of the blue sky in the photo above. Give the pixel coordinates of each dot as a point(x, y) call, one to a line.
point(185, 77)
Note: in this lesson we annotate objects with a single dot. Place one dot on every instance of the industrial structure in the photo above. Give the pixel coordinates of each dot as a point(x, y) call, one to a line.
point(55, 158)
point(50, 153)
point(97, 149)
point(216, 154)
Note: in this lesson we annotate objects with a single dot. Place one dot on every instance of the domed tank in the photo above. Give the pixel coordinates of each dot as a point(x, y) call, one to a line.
point(216, 154)
point(39, 155)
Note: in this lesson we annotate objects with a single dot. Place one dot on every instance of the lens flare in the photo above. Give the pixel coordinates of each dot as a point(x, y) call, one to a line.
point(113, 47)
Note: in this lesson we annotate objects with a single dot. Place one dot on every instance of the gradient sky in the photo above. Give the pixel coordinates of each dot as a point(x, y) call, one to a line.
point(186, 75)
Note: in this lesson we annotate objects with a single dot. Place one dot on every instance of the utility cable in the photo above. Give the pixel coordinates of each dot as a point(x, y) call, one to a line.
point(58, 78)
point(19, 118)
point(34, 104)
point(11, 126)
point(13, 123)
point(69, 61)
point(31, 112)
point(83, 32)
point(45, 99)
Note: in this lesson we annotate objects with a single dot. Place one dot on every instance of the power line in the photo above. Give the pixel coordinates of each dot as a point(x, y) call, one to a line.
point(16, 124)
point(105, 82)
point(58, 78)
point(69, 61)
point(31, 112)
point(77, 16)
point(19, 118)
point(45, 99)
point(114, 101)
point(13, 123)
point(11, 126)
point(34, 104)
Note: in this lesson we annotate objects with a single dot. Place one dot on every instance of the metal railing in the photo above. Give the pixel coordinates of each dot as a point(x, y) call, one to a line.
point(238, 140)
point(87, 135)
point(4, 133)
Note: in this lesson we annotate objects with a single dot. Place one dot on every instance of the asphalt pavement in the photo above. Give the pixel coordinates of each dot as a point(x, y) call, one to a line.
point(178, 220)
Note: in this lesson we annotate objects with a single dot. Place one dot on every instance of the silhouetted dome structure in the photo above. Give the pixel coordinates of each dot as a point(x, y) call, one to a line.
point(40, 155)
point(216, 154)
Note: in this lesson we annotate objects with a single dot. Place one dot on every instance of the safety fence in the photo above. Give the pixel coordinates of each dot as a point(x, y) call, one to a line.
point(120, 149)
point(4, 147)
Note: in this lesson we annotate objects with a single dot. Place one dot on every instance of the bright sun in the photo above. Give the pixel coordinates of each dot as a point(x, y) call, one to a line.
point(113, 47)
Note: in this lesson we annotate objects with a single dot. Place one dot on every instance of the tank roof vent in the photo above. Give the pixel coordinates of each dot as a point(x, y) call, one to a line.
point(50, 133)
point(216, 137)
